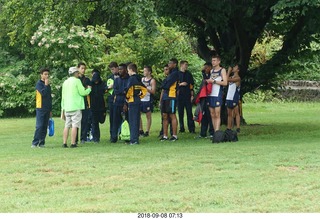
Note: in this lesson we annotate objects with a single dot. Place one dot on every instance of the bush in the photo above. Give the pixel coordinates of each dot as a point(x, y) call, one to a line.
point(260, 96)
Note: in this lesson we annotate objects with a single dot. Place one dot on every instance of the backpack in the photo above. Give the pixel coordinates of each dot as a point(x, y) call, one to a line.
point(230, 136)
point(218, 136)
point(51, 127)
point(125, 131)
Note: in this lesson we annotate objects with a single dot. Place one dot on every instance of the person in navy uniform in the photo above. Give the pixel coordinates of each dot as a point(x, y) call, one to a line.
point(233, 96)
point(119, 103)
point(135, 90)
point(43, 109)
point(185, 97)
point(168, 100)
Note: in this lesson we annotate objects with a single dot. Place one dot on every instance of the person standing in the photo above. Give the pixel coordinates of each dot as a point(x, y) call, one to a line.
point(86, 114)
point(114, 68)
point(135, 90)
point(218, 79)
point(71, 105)
point(43, 109)
point(98, 104)
point(168, 100)
point(119, 105)
point(206, 122)
point(147, 102)
point(233, 97)
point(185, 97)
point(166, 73)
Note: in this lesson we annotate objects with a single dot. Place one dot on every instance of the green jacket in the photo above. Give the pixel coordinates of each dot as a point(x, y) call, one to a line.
point(72, 95)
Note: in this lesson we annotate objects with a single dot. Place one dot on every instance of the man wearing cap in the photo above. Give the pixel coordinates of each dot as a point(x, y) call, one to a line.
point(71, 105)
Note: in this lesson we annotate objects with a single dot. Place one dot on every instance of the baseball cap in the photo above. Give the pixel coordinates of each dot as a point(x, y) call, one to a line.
point(73, 70)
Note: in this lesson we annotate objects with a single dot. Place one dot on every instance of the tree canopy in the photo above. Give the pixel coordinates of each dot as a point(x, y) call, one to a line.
point(58, 34)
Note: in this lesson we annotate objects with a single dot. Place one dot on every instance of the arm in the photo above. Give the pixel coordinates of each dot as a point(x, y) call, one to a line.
point(224, 81)
point(153, 86)
point(82, 91)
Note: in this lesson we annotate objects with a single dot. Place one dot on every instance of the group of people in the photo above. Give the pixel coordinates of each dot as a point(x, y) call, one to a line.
point(84, 106)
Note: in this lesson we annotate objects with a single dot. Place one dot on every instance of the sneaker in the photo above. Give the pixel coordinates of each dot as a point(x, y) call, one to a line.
point(163, 138)
point(173, 138)
point(41, 146)
point(82, 142)
point(141, 133)
point(64, 145)
point(182, 130)
point(199, 137)
point(238, 130)
point(134, 143)
point(74, 146)
point(33, 146)
point(146, 134)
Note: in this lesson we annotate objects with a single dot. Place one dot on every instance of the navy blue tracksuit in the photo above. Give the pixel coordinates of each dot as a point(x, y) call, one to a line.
point(134, 90)
point(119, 101)
point(43, 109)
point(184, 101)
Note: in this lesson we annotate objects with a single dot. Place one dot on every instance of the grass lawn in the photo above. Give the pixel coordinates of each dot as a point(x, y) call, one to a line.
point(274, 167)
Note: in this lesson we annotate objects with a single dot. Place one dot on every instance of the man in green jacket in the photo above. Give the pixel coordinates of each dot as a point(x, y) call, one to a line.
point(71, 105)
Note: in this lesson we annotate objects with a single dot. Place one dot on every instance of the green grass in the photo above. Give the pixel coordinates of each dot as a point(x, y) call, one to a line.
point(274, 167)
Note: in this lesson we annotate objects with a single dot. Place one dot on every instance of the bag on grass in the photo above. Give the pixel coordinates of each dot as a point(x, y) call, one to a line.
point(125, 131)
point(218, 136)
point(230, 136)
point(51, 127)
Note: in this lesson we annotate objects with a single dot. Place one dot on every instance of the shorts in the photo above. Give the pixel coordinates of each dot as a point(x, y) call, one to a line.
point(146, 106)
point(73, 119)
point(168, 106)
point(214, 101)
point(231, 103)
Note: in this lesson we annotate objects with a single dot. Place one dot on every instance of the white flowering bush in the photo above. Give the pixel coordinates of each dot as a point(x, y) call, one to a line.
point(61, 46)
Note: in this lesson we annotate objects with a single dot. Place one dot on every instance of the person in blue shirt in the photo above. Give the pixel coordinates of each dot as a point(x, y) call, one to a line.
point(135, 90)
point(168, 100)
point(114, 68)
point(119, 103)
point(43, 109)
point(185, 97)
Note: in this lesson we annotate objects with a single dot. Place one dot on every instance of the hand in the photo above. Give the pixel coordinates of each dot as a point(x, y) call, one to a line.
point(63, 117)
point(89, 86)
point(210, 81)
point(183, 84)
point(46, 81)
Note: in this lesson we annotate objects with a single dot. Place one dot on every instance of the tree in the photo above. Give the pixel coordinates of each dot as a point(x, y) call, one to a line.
point(232, 28)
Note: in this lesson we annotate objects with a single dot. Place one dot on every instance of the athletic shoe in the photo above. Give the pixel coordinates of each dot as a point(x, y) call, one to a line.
point(199, 137)
point(141, 133)
point(173, 138)
point(41, 146)
point(33, 146)
point(134, 143)
point(74, 146)
point(146, 134)
point(64, 146)
point(164, 138)
point(238, 130)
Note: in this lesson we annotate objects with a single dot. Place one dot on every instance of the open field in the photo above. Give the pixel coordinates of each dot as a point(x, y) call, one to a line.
point(275, 167)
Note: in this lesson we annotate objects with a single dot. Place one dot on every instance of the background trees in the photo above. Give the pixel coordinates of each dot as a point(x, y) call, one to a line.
point(273, 40)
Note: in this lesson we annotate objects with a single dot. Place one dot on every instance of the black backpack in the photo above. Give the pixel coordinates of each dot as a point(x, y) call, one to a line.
point(218, 136)
point(230, 136)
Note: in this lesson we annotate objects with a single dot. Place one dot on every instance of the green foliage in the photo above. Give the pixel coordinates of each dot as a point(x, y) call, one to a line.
point(16, 95)
point(262, 96)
